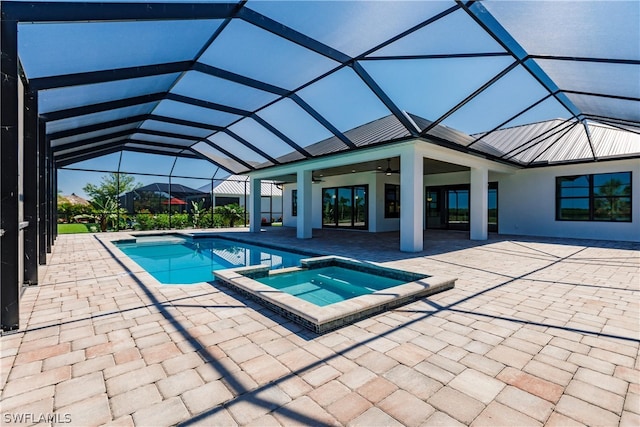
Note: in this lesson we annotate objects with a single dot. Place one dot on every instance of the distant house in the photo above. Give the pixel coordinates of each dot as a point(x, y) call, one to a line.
point(74, 199)
point(235, 189)
point(157, 198)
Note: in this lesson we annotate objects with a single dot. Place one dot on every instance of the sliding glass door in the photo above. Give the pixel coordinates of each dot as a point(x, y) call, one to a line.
point(458, 208)
point(345, 207)
point(448, 207)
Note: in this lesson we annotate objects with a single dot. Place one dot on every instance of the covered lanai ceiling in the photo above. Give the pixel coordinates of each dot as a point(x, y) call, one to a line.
point(253, 84)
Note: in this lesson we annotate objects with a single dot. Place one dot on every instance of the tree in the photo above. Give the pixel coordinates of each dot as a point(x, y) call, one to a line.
point(104, 197)
point(111, 186)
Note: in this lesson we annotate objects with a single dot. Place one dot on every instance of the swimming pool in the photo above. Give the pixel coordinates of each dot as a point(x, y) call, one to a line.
point(329, 292)
point(174, 259)
point(328, 285)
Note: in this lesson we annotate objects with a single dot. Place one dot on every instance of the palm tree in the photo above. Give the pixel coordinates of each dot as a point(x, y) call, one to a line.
point(106, 210)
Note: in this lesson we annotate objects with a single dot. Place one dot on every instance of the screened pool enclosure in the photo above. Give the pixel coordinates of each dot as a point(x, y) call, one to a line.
point(206, 89)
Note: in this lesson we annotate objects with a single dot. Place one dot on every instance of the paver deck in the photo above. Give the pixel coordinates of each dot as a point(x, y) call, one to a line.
point(537, 331)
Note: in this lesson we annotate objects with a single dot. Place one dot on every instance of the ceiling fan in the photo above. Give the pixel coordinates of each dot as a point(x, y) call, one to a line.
point(388, 171)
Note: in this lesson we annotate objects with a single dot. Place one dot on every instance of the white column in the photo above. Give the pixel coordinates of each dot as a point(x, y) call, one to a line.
point(255, 204)
point(479, 203)
point(304, 230)
point(411, 201)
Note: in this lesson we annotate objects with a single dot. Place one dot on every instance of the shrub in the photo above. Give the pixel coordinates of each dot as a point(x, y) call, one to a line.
point(231, 214)
point(162, 221)
point(205, 220)
point(179, 221)
point(145, 221)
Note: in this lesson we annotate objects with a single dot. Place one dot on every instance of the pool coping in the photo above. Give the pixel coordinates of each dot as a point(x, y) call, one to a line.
point(333, 316)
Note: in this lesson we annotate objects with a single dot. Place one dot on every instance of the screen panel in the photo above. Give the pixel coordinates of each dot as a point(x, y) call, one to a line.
point(453, 34)
point(51, 49)
point(250, 51)
point(352, 27)
point(100, 117)
point(430, 87)
point(180, 110)
point(220, 91)
point(344, 99)
point(235, 147)
point(175, 128)
point(497, 103)
point(572, 28)
point(82, 95)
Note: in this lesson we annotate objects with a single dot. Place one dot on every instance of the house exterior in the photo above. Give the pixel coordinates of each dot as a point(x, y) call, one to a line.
point(412, 185)
point(157, 198)
point(235, 189)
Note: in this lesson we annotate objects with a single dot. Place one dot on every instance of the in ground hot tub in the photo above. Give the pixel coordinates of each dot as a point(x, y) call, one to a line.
point(326, 293)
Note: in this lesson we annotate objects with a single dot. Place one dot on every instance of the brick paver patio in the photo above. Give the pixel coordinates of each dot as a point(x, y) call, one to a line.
point(536, 332)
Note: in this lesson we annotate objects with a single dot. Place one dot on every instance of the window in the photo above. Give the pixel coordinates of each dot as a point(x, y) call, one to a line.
point(223, 200)
point(597, 197)
point(391, 201)
point(294, 202)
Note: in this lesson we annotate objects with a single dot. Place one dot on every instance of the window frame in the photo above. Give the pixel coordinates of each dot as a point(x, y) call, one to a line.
point(294, 202)
point(388, 214)
point(591, 197)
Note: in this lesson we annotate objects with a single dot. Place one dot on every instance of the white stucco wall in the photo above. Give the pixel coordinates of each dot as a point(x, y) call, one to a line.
point(381, 223)
point(526, 203)
point(526, 197)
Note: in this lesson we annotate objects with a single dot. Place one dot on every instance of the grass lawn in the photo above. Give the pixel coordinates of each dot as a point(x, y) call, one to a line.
point(77, 228)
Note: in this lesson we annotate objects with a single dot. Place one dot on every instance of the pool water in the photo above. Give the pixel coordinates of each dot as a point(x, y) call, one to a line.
point(328, 285)
point(176, 260)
